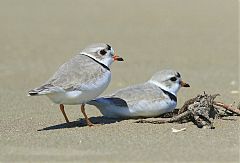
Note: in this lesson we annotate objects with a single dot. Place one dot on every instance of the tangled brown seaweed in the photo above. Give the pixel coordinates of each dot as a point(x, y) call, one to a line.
point(201, 110)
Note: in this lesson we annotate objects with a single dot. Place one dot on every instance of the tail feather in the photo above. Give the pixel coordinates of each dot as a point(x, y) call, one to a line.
point(111, 107)
point(94, 102)
point(39, 91)
point(45, 89)
point(102, 101)
point(33, 93)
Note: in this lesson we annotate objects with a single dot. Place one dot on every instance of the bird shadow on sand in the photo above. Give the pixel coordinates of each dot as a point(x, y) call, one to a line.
point(101, 120)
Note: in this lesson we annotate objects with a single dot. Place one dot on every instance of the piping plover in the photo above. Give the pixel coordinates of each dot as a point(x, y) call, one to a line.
point(81, 79)
point(150, 99)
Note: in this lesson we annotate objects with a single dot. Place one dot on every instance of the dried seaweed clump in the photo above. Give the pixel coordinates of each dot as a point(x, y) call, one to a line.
point(201, 110)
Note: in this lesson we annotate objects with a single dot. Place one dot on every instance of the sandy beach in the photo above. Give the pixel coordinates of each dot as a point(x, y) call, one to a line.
point(197, 38)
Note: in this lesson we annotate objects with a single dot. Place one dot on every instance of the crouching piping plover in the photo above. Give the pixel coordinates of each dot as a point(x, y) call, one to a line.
point(81, 79)
point(150, 99)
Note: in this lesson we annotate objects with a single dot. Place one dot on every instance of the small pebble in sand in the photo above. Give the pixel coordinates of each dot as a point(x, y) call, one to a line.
point(234, 92)
point(233, 82)
point(178, 130)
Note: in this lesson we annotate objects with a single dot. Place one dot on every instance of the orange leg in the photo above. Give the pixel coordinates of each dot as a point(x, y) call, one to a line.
point(89, 123)
point(63, 112)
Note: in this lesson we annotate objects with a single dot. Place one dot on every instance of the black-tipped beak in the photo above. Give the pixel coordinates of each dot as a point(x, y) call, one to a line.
point(117, 58)
point(183, 84)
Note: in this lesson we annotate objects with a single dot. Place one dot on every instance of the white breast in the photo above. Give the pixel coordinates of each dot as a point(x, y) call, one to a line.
point(87, 92)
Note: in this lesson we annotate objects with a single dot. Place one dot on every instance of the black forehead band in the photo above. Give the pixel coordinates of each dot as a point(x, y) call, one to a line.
point(178, 75)
point(108, 47)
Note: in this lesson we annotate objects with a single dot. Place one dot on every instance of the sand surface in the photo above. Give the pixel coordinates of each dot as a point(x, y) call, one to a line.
point(197, 38)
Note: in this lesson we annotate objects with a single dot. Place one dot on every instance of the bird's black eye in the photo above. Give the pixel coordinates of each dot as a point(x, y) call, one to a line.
point(102, 52)
point(173, 78)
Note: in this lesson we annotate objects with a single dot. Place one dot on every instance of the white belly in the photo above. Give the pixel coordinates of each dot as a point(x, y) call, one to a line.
point(146, 109)
point(89, 92)
point(139, 109)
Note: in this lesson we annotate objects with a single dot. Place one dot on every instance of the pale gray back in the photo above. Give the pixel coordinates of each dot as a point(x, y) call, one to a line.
point(78, 71)
point(136, 93)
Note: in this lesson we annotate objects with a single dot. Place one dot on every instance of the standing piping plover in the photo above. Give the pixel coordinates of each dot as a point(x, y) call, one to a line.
point(81, 79)
point(150, 99)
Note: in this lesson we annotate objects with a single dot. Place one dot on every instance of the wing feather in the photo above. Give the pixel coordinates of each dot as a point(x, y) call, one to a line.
point(133, 94)
point(74, 75)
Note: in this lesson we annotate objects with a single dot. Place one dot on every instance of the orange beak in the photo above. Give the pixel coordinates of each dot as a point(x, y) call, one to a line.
point(117, 58)
point(183, 84)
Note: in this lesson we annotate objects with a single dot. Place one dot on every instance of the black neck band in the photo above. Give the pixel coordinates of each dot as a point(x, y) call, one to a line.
point(103, 65)
point(170, 95)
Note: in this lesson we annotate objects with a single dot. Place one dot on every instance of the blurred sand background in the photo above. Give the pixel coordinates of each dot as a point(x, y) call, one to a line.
point(197, 38)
